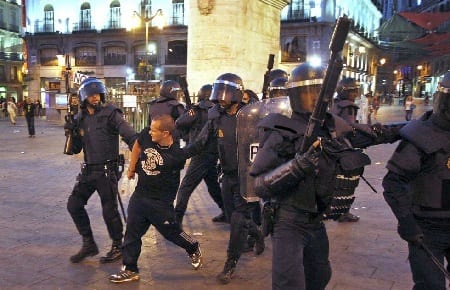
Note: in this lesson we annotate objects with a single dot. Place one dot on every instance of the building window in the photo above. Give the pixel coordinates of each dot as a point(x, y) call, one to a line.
point(114, 15)
point(48, 18)
point(178, 12)
point(115, 56)
point(299, 10)
point(48, 57)
point(85, 56)
point(2, 73)
point(147, 5)
point(294, 49)
point(177, 52)
point(14, 75)
point(85, 16)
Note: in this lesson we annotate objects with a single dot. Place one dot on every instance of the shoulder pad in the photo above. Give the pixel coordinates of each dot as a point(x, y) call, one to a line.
point(174, 102)
point(284, 125)
point(426, 136)
point(336, 123)
point(346, 103)
point(108, 109)
point(213, 113)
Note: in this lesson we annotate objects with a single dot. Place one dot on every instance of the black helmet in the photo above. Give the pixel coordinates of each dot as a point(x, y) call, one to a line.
point(441, 102)
point(277, 73)
point(304, 86)
point(204, 93)
point(277, 87)
point(346, 89)
point(170, 89)
point(90, 86)
point(227, 87)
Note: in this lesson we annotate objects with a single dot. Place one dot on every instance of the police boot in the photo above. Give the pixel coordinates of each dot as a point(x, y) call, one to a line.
point(88, 249)
point(225, 276)
point(114, 254)
point(259, 243)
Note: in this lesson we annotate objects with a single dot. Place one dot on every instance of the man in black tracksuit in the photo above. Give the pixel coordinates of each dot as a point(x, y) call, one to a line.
point(202, 166)
point(96, 131)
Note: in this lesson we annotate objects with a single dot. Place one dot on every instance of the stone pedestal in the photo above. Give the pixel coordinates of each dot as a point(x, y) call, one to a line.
point(232, 36)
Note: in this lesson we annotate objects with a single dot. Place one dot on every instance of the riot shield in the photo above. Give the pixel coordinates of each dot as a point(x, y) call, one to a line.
point(248, 118)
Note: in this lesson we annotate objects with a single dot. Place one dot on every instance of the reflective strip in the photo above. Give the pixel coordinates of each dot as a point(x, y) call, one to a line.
point(340, 176)
point(228, 83)
point(305, 83)
point(276, 88)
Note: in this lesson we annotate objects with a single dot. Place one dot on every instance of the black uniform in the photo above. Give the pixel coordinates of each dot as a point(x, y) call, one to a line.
point(166, 106)
point(158, 169)
point(417, 188)
point(98, 136)
point(222, 127)
point(29, 109)
point(304, 192)
point(202, 166)
point(346, 181)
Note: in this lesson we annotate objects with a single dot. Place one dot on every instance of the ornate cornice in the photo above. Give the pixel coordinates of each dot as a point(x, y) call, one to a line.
point(280, 4)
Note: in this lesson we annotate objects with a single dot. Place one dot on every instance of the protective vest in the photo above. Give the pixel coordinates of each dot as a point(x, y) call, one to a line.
point(100, 139)
point(224, 128)
point(313, 194)
point(431, 187)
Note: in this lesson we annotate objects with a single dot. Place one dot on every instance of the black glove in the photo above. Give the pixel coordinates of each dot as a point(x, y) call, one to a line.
point(409, 230)
point(308, 161)
point(386, 134)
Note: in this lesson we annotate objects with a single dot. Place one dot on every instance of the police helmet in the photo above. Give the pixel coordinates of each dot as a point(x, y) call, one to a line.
point(170, 89)
point(304, 86)
point(277, 87)
point(347, 88)
point(204, 93)
point(91, 86)
point(441, 103)
point(227, 87)
point(277, 73)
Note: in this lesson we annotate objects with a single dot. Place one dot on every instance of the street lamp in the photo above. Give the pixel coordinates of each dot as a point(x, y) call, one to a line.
point(147, 21)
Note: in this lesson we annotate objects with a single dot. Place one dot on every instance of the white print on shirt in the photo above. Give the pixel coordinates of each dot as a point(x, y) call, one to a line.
point(153, 159)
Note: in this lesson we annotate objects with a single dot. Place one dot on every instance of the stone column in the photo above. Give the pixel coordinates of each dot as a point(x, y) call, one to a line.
point(232, 36)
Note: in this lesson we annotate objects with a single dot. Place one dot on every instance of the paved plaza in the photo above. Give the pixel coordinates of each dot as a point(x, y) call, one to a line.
point(38, 235)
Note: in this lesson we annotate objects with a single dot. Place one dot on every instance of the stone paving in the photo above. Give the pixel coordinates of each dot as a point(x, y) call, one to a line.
point(38, 235)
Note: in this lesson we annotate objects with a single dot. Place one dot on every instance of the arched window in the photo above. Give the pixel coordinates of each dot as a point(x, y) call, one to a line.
point(49, 13)
point(85, 56)
point(85, 16)
point(114, 15)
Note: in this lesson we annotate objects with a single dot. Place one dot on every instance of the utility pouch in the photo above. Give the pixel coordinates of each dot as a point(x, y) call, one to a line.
point(268, 217)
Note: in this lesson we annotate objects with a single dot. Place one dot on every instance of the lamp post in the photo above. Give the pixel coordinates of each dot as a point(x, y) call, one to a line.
point(147, 21)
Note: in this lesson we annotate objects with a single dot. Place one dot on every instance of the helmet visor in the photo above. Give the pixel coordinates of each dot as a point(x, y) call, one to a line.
point(226, 91)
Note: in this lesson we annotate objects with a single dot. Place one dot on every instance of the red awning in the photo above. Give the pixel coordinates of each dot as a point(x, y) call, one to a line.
point(427, 20)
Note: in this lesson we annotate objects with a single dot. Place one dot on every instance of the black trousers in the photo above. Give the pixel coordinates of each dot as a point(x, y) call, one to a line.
point(201, 167)
point(144, 212)
point(30, 125)
point(106, 186)
point(240, 213)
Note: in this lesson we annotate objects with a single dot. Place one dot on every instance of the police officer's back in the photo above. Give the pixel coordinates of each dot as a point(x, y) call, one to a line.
point(167, 103)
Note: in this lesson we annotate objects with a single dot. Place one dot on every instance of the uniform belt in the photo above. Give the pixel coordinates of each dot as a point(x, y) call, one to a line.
point(101, 166)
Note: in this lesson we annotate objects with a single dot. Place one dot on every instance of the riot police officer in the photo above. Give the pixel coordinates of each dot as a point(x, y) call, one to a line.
point(277, 87)
point(95, 131)
point(167, 103)
point(227, 95)
point(204, 165)
point(417, 188)
point(344, 106)
point(302, 183)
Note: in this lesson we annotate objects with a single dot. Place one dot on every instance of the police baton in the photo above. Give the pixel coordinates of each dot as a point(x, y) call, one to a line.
point(368, 183)
point(435, 260)
point(121, 164)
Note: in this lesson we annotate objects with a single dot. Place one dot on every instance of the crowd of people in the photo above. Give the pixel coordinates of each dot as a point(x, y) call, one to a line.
point(301, 184)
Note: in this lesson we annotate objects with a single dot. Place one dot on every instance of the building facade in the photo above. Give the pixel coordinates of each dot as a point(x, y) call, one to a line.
point(109, 40)
point(12, 67)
